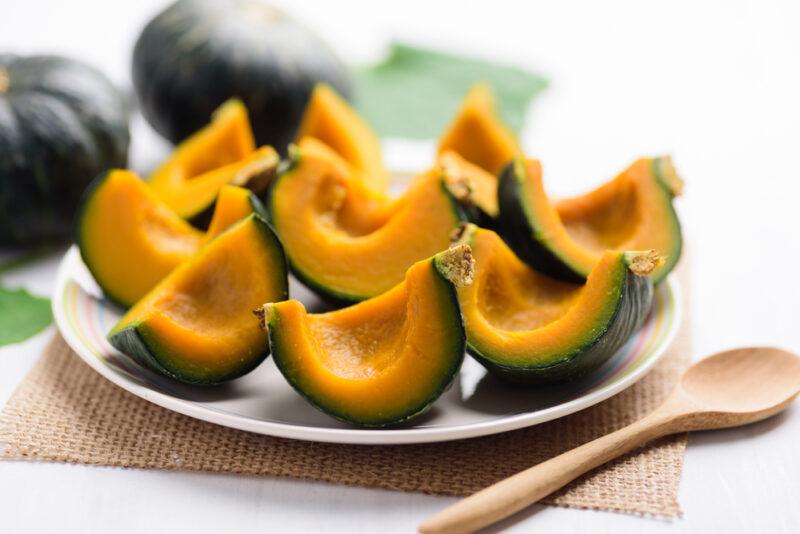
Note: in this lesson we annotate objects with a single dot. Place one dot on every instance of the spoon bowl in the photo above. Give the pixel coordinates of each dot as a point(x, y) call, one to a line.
point(740, 385)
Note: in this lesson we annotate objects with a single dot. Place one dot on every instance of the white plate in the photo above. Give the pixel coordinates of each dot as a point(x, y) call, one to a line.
point(263, 402)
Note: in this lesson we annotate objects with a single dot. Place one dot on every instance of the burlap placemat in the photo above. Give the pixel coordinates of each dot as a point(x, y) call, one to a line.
point(64, 411)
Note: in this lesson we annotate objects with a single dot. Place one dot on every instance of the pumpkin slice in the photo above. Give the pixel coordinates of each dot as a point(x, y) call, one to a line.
point(385, 360)
point(221, 153)
point(130, 240)
point(196, 325)
point(480, 196)
point(347, 242)
point(329, 118)
point(478, 135)
point(631, 212)
point(527, 327)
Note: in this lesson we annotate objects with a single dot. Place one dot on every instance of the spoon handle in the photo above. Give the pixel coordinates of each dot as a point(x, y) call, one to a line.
point(526, 487)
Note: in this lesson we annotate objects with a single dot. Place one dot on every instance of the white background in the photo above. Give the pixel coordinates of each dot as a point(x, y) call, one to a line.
point(716, 84)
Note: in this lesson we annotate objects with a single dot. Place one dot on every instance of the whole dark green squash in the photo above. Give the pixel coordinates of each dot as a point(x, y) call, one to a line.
point(196, 54)
point(62, 123)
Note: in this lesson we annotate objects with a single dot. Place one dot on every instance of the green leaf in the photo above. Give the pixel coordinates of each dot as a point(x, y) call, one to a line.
point(415, 92)
point(22, 315)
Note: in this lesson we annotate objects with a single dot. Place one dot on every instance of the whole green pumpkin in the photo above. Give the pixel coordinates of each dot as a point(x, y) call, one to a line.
point(196, 54)
point(62, 123)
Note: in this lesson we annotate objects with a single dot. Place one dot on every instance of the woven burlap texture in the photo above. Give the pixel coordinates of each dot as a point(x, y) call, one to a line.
point(64, 411)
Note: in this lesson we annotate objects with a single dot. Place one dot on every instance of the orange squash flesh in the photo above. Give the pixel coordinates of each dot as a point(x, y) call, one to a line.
point(626, 213)
point(329, 118)
point(196, 325)
point(362, 209)
point(478, 135)
point(233, 204)
point(189, 197)
point(130, 240)
point(379, 362)
point(226, 139)
point(631, 212)
point(481, 185)
point(348, 242)
point(533, 328)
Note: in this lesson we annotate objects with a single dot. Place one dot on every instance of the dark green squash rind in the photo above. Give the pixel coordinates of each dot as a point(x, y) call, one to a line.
point(516, 226)
point(474, 214)
point(671, 257)
point(260, 209)
point(456, 327)
point(330, 295)
point(634, 298)
point(135, 341)
point(484, 220)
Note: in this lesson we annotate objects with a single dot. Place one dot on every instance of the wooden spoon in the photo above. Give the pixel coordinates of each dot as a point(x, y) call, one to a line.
point(728, 389)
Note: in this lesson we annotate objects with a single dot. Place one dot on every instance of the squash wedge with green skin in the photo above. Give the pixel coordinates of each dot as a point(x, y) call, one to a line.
point(130, 240)
point(196, 325)
point(330, 119)
point(221, 153)
point(566, 240)
point(385, 360)
point(529, 328)
point(346, 241)
point(477, 145)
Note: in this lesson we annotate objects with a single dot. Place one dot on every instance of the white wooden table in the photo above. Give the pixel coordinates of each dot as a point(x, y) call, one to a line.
point(716, 84)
